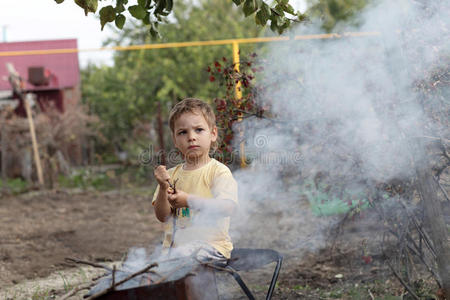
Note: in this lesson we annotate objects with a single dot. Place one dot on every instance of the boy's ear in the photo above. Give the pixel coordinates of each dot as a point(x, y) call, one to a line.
point(214, 134)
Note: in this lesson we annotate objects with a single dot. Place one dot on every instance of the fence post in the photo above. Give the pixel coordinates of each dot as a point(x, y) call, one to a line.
point(239, 97)
point(37, 158)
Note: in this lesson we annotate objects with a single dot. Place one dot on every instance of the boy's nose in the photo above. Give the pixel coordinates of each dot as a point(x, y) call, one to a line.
point(191, 137)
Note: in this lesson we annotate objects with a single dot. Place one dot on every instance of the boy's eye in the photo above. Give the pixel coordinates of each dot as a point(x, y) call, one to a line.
point(181, 132)
point(199, 129)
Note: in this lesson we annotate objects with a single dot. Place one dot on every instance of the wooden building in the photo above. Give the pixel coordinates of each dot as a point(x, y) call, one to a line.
point(53, 79)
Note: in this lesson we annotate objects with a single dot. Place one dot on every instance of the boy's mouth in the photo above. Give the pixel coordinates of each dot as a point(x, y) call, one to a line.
point(192, 147)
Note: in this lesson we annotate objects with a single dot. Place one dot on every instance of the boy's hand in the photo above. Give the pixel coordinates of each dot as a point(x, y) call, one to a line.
point(162, 176)
point(178, 199)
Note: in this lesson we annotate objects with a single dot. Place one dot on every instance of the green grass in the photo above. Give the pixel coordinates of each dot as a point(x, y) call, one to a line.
point(41, 294)
point(85, 179)
point(299, 287)
point(14, 186)
point(67, 285)
point(380, 290)
point(123, 177)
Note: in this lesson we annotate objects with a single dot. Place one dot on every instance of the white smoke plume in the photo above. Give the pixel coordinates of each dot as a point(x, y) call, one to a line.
point(338, 103)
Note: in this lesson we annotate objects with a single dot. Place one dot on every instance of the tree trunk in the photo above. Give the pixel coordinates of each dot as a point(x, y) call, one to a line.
point(161, 135)
point(434, 218)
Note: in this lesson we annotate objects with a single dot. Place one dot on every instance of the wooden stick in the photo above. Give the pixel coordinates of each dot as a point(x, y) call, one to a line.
point(75, 290)
point(403, 282)
point(371, 295)
point(122, 281)
point(416, 252)
point(37, 158)
point(173, 186)
point(16, 81)
point(113, 277)
point(174, 217)
point(77, 261)
point(419, 228)
point(442, 189)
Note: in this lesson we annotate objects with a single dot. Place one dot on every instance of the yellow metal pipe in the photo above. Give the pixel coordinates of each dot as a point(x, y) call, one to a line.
point(189, 44)
point(236, 62)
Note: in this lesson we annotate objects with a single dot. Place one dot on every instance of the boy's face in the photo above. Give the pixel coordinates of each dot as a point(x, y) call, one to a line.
point(192, 135)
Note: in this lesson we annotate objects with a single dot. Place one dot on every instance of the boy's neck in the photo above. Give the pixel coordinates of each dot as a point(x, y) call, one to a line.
point(196, 163)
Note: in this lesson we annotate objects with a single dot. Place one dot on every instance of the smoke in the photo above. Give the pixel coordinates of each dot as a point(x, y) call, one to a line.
point(346, 110)
point(164, 269)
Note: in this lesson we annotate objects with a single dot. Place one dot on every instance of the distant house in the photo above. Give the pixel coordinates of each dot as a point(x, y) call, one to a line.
point(54, 79)
point(51, 77)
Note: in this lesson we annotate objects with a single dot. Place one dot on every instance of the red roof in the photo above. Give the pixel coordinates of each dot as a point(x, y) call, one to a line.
point(64, 65)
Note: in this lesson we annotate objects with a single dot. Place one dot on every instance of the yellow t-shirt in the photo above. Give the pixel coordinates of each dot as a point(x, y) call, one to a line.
point(211, 181)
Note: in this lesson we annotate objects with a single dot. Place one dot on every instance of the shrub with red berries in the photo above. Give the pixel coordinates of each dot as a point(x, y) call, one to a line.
point(230, 109)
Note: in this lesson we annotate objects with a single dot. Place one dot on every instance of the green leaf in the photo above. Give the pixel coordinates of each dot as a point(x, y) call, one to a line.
point(278, 9)
point(238, 2)
point(92, 5)
point(153, 31)
point(280, 21)
point(274, 22)
point(263, 15)
point(250, 7)
point(284, 26)
point(289, 9)
point(164, 13)
point(258, 18)
point(146, 19)
point(301, 17)
point(119, 8)
point(82, 4)
point(266, 8)
point(160, 5)
point(169, 5)
point(120, 21)
point(137, 11)
point(107, 14)
point(142, 3)
point(59, 1)
point(121, 2)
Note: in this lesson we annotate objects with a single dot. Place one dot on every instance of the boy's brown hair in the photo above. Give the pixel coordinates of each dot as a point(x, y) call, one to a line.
point(193, 105)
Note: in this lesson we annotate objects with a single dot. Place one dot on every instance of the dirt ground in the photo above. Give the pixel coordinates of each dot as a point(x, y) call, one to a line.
point(38, 230)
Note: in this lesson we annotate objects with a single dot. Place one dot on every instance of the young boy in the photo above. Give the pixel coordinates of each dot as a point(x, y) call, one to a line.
point(196, 215)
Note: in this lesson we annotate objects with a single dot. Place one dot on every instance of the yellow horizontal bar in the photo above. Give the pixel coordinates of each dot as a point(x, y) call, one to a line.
point(188, 44)
point(335, 35)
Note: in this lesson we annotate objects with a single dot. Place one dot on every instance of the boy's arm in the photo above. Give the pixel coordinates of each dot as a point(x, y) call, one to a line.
point(213, 206)
point(224, 201)
point(224, 207)
point(161, 204)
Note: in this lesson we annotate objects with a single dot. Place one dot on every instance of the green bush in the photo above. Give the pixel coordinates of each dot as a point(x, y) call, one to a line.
point(84, 179)
point(14, 185)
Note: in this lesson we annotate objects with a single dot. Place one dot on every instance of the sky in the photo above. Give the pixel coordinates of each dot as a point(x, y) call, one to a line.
point(31, 20)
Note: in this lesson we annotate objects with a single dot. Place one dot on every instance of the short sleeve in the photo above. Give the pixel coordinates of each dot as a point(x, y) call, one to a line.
point(155, 195)
point(224, 186)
